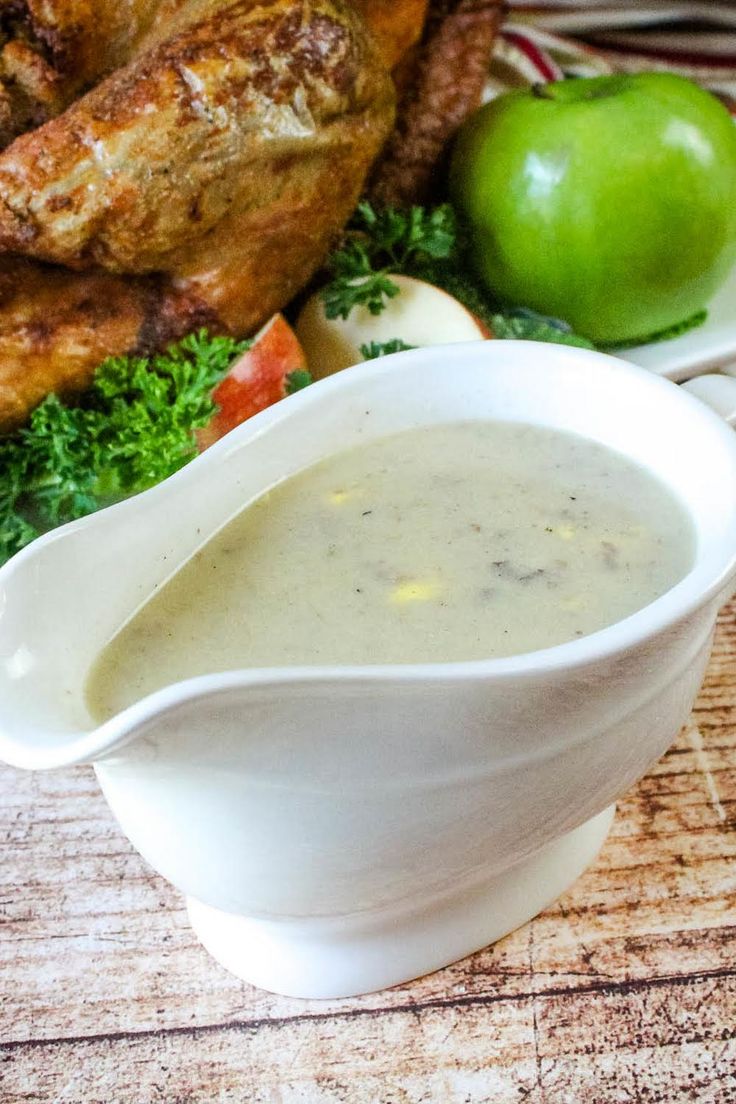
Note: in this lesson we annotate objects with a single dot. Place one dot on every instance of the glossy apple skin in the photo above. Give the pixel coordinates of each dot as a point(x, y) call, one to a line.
point(608, 202)
point(256, 380)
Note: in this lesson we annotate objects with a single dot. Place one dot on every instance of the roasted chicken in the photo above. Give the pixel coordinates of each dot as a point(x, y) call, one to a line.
point(201, 182)
point(170, 164)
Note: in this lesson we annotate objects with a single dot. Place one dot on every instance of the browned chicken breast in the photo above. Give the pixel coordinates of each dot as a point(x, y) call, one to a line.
point(203, 181)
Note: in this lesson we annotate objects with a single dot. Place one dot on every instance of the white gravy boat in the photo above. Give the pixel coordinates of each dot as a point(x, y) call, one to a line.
point(337, 830)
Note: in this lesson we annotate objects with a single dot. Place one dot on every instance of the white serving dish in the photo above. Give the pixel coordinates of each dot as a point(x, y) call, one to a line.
point(337, 830)
point(710, 346)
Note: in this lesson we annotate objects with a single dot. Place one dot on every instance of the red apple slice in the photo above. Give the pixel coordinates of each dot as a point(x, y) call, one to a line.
point(421, 314)
point(256, 380)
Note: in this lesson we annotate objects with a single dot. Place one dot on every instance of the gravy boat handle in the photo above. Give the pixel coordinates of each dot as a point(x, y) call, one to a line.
point(718, 391)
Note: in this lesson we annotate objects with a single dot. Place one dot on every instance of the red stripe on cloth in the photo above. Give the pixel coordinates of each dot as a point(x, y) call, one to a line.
point(535, 55)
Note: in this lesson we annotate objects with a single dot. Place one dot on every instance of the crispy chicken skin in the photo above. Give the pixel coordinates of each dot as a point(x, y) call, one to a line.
point(203, 181)
point(52, 49)
point(84, 39)
point(440, 84)
point(395, 24)
point(54, 330)
point(245, 102)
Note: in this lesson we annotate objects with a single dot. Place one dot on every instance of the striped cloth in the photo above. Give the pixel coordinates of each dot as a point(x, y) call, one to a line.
point(548, 40)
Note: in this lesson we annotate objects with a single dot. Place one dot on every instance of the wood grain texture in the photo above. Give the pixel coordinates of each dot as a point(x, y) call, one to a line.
point(623, 991)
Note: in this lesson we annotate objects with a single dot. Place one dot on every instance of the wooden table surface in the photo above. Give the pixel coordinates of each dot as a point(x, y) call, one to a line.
point(624, 990)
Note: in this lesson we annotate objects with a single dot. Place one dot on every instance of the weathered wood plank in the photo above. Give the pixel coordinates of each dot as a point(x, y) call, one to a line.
point(625, 1045)
point(624, 990)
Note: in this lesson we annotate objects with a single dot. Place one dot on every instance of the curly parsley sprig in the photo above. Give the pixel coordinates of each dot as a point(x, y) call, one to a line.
point(131, 429)
point(375, 349)
point(379, 243)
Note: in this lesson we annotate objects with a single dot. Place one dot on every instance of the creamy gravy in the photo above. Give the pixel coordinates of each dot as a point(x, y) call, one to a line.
point(453, 542)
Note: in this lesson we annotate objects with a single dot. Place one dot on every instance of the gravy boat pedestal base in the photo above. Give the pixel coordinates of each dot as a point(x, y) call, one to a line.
point(349, 955)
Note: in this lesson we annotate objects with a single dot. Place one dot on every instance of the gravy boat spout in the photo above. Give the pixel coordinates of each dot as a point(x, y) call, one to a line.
point(339, 829)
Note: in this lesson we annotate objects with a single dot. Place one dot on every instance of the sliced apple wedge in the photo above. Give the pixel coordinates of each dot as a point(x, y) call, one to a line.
point(421, 314)
point(257, 379)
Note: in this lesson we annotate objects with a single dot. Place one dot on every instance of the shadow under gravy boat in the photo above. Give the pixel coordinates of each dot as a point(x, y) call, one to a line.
point(340, 829)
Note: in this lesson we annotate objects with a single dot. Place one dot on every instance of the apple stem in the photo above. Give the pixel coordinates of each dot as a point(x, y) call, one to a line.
point(542, 91)
point(575, 90)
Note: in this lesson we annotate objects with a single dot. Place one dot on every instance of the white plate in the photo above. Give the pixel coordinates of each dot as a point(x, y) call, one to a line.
point(711, 346)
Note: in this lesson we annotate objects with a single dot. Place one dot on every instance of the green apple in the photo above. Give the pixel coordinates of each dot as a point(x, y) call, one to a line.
point(609, 202)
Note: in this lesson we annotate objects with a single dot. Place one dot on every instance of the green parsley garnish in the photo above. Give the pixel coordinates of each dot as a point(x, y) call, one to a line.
point(131, 429)
point(429, 244)
point(377, 349)
point(380, 243)
point(297, 380)
point(457, 280)
point(677, 330)
point(527, 325)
